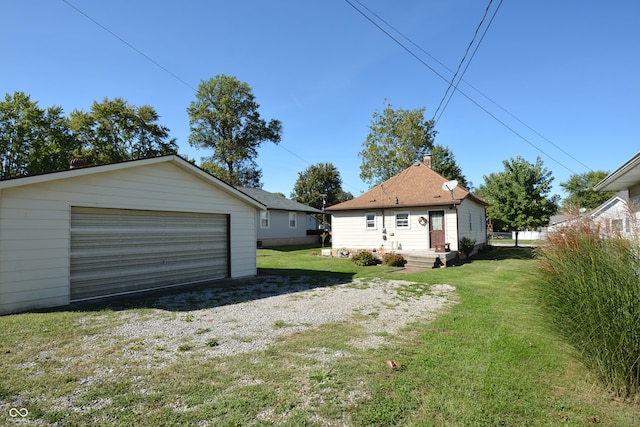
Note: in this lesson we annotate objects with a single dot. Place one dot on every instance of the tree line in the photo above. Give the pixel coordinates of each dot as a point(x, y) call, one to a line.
point(36, 140)
point(224, 119)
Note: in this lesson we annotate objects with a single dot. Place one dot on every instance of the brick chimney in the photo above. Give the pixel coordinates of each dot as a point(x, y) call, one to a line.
point(77, 163)
point(427, 160)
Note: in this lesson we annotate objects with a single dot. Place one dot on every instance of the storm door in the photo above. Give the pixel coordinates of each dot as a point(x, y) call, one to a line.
point(436, 228)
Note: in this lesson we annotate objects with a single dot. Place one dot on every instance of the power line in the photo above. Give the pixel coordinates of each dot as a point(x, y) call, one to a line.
point(495, 12)
point(464, 57)
point(475, 88)
point(458, 89)
point(138, 51)
point(164, 69)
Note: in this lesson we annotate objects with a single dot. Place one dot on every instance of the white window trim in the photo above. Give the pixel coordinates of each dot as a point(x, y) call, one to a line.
point(395, 220)
point(366, 221)
point(295, 220)
point(265, 214)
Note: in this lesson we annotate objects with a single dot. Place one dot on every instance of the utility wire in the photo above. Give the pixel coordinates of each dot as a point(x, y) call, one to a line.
point(157, 64)
point(473, 87)
point(495, 12)
point(459, 90)
point(464, 57)
point(138, 51)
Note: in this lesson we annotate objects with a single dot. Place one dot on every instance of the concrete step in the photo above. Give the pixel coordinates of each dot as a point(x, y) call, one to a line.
point(422, 261)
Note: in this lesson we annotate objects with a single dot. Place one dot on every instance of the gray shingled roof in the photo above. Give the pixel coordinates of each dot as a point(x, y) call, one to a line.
point(276, 202)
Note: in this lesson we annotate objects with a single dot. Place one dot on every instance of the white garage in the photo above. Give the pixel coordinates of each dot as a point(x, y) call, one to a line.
point(121, 228)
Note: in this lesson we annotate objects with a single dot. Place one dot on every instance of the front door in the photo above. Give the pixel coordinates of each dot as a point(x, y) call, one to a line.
point(436, 228)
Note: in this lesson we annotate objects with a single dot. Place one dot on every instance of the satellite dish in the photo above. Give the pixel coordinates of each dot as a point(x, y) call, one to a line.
point(450, 185)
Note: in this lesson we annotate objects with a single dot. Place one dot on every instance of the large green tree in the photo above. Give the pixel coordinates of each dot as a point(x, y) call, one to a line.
point(581, 193)
point(224, 118)
point(115, 131)
point(32, 139)
point(397, 138)
point(519, 197)
point(316, 180)
point(444, 162)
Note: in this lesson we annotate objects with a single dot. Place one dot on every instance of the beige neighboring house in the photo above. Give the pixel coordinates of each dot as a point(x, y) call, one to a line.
point(410, 214)
point(115, 229)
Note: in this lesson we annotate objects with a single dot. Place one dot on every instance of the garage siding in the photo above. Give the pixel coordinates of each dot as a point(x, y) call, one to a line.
point(35, 221)
point(117, 251)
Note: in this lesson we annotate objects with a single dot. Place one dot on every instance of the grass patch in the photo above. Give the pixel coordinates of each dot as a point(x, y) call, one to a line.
point(281, 324)
point(489, 360)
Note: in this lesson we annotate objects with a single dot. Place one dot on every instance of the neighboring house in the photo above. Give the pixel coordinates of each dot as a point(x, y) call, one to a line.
point(120, 228)
point(409, 213)
point(626, 177)
point(557, 222)
point(613, 216)
point(283, 222)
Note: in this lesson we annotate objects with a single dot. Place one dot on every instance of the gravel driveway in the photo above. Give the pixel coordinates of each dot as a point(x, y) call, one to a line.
point(228, 321)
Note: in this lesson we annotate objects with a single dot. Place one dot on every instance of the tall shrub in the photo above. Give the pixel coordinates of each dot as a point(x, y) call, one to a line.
point(590, 288)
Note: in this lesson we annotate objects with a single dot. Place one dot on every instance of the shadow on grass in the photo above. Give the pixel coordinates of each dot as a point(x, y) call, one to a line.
point(498, 253)
point(294, 248)
point(268, 283)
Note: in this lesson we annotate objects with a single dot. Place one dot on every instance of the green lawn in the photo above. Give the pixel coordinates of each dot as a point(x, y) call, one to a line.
point(488, 360)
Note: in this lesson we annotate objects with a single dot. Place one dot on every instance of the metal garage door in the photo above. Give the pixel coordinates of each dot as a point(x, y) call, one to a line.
point(117, 251)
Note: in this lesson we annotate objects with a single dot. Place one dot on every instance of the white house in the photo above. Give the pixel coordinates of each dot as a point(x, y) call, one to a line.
point(410, 213)
point(284, 221)
point(626, 178)
point(614, 215)
point(120, 228)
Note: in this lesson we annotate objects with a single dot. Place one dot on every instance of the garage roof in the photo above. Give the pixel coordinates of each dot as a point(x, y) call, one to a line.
point(172, 159)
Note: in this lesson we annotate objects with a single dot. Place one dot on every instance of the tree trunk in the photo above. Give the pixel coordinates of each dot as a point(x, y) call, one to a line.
point(517, 238)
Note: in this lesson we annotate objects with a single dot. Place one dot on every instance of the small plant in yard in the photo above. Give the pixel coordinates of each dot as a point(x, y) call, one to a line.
point(365, 258)
point(467, 245)
point(213, 343)
point(185, 347)
point(281, 324)
point(394, 260)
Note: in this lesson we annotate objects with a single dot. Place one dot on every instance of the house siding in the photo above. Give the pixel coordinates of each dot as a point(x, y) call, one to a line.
point(634, 196)
point(35, 224)
point(280, 234)
point(279, 225)
point(616, 211)
point(349, 231)
point(472, 222)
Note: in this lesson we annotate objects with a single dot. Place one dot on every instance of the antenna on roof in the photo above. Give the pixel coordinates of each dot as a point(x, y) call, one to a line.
point(450, 186)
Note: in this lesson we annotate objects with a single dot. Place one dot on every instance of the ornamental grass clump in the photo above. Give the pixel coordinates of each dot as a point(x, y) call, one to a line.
point(590, 289)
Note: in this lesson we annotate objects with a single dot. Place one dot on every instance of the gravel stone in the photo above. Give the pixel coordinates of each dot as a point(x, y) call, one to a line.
point(224, 322)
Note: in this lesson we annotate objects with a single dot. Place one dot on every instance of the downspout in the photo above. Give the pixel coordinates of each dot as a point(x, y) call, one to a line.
point(457, 231)
point(384, 227)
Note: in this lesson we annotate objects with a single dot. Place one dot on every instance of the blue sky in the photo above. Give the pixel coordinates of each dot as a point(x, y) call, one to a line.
point(570, 70)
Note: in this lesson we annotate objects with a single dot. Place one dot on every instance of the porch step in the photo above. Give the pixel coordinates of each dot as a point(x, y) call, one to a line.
point(422, 261)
